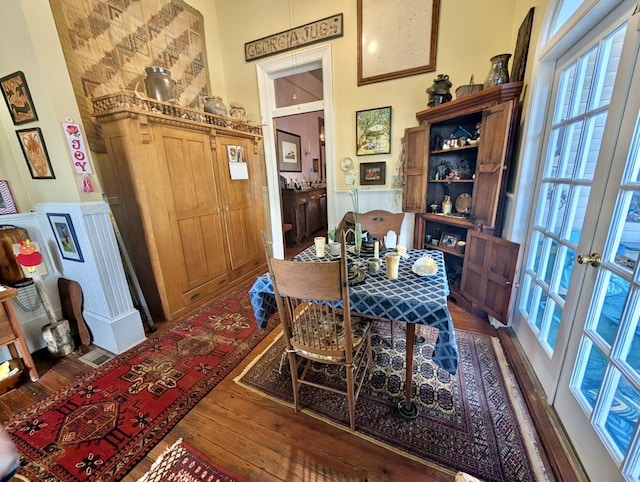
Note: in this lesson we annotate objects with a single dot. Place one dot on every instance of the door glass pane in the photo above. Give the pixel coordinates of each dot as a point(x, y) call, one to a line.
point(565, 92)
point(551, 261)
point(544, 203)
point(586, 68)
point(555, 311)
point(564, 269)
point(592, 373)
point(299, 88)
point(541, 308)
point(632, 355)
point(558, 208)
point(611, 48)
point(592, 142)
point(611, 300)
point(577, 213)
point(625, 253)
point(622, 414)
point(571, 144)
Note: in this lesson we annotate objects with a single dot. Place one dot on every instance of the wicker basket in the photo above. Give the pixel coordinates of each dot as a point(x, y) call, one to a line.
point(8, 383)
point(470, 88)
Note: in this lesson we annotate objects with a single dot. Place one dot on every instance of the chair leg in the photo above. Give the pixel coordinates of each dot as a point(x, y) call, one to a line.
point(351, 398)
point(293, 367)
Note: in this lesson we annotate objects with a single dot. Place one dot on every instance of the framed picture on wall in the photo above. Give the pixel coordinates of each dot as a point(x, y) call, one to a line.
point(289, 155)
point(7, 204)
point(404, 36)
point(35, 153)
point(65, 236)
point(373, 173)
point(373, 131)
point(18, 98)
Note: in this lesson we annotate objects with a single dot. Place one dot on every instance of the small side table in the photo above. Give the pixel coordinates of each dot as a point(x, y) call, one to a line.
point(11, 332)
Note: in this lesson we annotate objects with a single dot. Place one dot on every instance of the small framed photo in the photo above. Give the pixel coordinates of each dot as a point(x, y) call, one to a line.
point(449, 241)
point(288, 146)
point(18, 98)
point(35, 153)
point(373, 131)
point(7, 204)
point(373, 173)
point(65, 236)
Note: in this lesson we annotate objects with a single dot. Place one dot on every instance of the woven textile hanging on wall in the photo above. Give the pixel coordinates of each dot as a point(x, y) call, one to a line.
point(108, 44)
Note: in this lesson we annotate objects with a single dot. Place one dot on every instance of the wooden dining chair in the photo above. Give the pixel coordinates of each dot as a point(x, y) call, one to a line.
point(379, 222)
point(317, 325)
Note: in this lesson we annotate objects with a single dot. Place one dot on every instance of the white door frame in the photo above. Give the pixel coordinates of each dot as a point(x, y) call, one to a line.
point(267, 72)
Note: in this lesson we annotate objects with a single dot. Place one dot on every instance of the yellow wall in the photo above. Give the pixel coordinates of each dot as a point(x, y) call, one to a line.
point(469, 34)
point(29, 43)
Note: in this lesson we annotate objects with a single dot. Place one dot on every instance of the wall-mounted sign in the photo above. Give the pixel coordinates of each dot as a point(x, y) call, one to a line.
point(318, 31)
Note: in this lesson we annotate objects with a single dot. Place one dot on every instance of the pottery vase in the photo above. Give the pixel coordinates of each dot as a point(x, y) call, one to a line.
point(159, 85)
point(499, 72)
point(213, 105)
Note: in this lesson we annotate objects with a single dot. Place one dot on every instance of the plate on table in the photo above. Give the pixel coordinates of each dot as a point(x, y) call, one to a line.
point(463, 203)
point(425, 266)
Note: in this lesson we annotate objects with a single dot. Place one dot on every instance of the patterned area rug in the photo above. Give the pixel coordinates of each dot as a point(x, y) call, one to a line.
point(474, 421)
point(103, 425)
point(184, 463)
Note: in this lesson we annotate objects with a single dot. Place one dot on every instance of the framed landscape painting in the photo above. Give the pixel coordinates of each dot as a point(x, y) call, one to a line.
point(373, 131)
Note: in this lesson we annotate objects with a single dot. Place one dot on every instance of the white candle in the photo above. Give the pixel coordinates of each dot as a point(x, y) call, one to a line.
point(376, 249)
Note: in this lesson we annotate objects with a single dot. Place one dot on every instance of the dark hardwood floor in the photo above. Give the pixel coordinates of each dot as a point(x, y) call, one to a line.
point(263, 440)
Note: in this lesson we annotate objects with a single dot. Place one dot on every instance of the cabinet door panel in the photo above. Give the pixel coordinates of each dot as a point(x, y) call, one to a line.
point(415, 172)
point(192, 201)
point(488, 273)
point(491, 163)
point(201, 240)
point(242, 239)
point(242, 219)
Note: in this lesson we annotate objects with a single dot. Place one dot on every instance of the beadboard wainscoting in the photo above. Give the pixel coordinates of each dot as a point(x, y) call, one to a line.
point(108, 308)
point(370, 199)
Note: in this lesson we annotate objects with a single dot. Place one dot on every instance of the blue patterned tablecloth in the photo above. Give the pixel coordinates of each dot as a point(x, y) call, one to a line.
point(410, 298)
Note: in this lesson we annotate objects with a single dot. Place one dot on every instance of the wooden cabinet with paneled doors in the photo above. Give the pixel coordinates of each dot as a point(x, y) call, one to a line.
point(306, 211)
point(460, 152)
point(184, 188)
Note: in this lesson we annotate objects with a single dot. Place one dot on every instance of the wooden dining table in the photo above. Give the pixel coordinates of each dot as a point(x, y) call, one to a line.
point(410, 298)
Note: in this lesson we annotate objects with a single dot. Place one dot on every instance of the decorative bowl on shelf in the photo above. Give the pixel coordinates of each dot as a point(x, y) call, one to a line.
point(425, 266)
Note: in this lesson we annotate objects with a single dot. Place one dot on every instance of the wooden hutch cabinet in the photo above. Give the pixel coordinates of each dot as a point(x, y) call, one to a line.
point(191, 229)
point(461, 151)
point(306, 211)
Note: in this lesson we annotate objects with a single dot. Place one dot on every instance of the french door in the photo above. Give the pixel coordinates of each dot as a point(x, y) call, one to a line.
point(580, 320)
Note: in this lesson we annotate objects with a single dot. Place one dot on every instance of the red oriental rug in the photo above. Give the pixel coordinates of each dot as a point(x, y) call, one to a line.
point(183, 462)
point(100, 427)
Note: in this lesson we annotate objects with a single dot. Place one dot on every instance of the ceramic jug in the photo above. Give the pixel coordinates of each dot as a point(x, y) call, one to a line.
point(213, 105)
point(499, 72)
point(159, 85)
